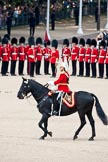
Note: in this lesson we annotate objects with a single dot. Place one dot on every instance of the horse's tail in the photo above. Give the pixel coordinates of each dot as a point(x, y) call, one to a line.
point(100, 111)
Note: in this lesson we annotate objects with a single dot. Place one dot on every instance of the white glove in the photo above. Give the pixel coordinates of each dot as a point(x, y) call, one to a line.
point(51, 82)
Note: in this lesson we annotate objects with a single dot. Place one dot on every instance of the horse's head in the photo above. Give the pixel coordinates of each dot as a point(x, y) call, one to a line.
point(24, 89)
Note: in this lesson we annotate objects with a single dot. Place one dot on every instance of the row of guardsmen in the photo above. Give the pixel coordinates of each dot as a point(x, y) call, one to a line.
point(85, 52)
point(33, 52)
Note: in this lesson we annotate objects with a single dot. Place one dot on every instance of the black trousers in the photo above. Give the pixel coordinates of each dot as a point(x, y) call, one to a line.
point(74, 67)
point(28, 67)
point(81, 68)
point(87, 68)
point(21, 67)
point(9, 30)
point(107, 70)
point(53, 68)
point(101, 70)
point(52, 24)
point(4, 67)
point(46, 67)
point(13, 67)
point(76, 19)
point(32, 30)
point(38, 65)
point(32, 67)
point(93, 68)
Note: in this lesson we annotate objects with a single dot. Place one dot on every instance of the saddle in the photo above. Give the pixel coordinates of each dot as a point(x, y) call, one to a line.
point(68, 98)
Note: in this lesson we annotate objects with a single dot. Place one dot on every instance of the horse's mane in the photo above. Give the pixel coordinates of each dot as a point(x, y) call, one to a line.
point(40, 86)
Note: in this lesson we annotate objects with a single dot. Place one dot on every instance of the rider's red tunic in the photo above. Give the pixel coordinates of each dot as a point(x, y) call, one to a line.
point(62, 82)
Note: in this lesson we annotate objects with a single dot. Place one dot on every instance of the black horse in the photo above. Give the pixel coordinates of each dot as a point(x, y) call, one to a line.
point(84, 105)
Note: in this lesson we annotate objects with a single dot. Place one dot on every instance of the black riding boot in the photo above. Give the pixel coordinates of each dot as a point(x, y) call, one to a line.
point(55, 109)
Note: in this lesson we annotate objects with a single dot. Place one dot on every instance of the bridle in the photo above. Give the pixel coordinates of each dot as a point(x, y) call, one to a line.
point(37, 98)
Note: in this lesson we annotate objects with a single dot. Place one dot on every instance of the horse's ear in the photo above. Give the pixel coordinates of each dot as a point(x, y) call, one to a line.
point(25, 80)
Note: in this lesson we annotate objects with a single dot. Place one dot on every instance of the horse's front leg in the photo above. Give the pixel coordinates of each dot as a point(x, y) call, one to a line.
point(44, 121)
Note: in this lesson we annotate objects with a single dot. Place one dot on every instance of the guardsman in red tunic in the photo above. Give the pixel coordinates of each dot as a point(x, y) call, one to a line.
point(81, 56)
point(31, 56)
point(106, 62)
point(101, 58)
point(62, 83)
point(9, 43)
point(47, 54)
point(66, 53)
point(74, 55)
point(13, 56)
point(5, 57)
point(94, 58)
point(54, 57)
point(38, 55)
point(27, 48)
point(87, 57)
point(22, 52)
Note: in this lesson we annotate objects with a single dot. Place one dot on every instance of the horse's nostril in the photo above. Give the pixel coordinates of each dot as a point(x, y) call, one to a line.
point(20, 96)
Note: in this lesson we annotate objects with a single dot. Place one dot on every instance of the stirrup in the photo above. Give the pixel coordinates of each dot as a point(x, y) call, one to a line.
point(54, 113)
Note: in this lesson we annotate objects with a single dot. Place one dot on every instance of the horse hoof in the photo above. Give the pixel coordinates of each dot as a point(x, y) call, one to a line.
point(91, 139)
point(41, 138)
point(50, 134)
point(75, 137)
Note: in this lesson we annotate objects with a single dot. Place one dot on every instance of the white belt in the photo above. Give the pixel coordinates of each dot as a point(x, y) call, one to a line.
point(87, 55)
point(65, 55)
point(73, 53)
point(81, 54)
point(31, 56)
point(93, 55)
point(14, 53)
point(46, 54)
point(106, 56)
point(101, 56)
point(22, 53)
point(39, 54)
point(5, 53)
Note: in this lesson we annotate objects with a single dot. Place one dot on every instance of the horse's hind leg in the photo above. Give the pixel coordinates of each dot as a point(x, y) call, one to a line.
point(83, 122)
point(44, 121)
point(92, 123)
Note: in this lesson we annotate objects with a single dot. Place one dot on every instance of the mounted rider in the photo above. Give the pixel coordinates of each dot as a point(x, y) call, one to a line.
point(62, 83)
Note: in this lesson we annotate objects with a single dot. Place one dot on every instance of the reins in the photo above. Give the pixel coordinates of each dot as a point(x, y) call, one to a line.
point(46, 85)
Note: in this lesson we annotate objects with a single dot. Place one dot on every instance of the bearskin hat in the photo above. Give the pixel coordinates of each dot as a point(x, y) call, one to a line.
point(7, 36)
point(14, 40)
point(66, 42)
point(39, 40)
point(88, 41)
point(54, 43)
point(4, 40)
point(47, 43)
point(31, 41)
point(22, 40)
point(93, 42)
point(75, 40)
point(82, 41)
point(102, 43)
